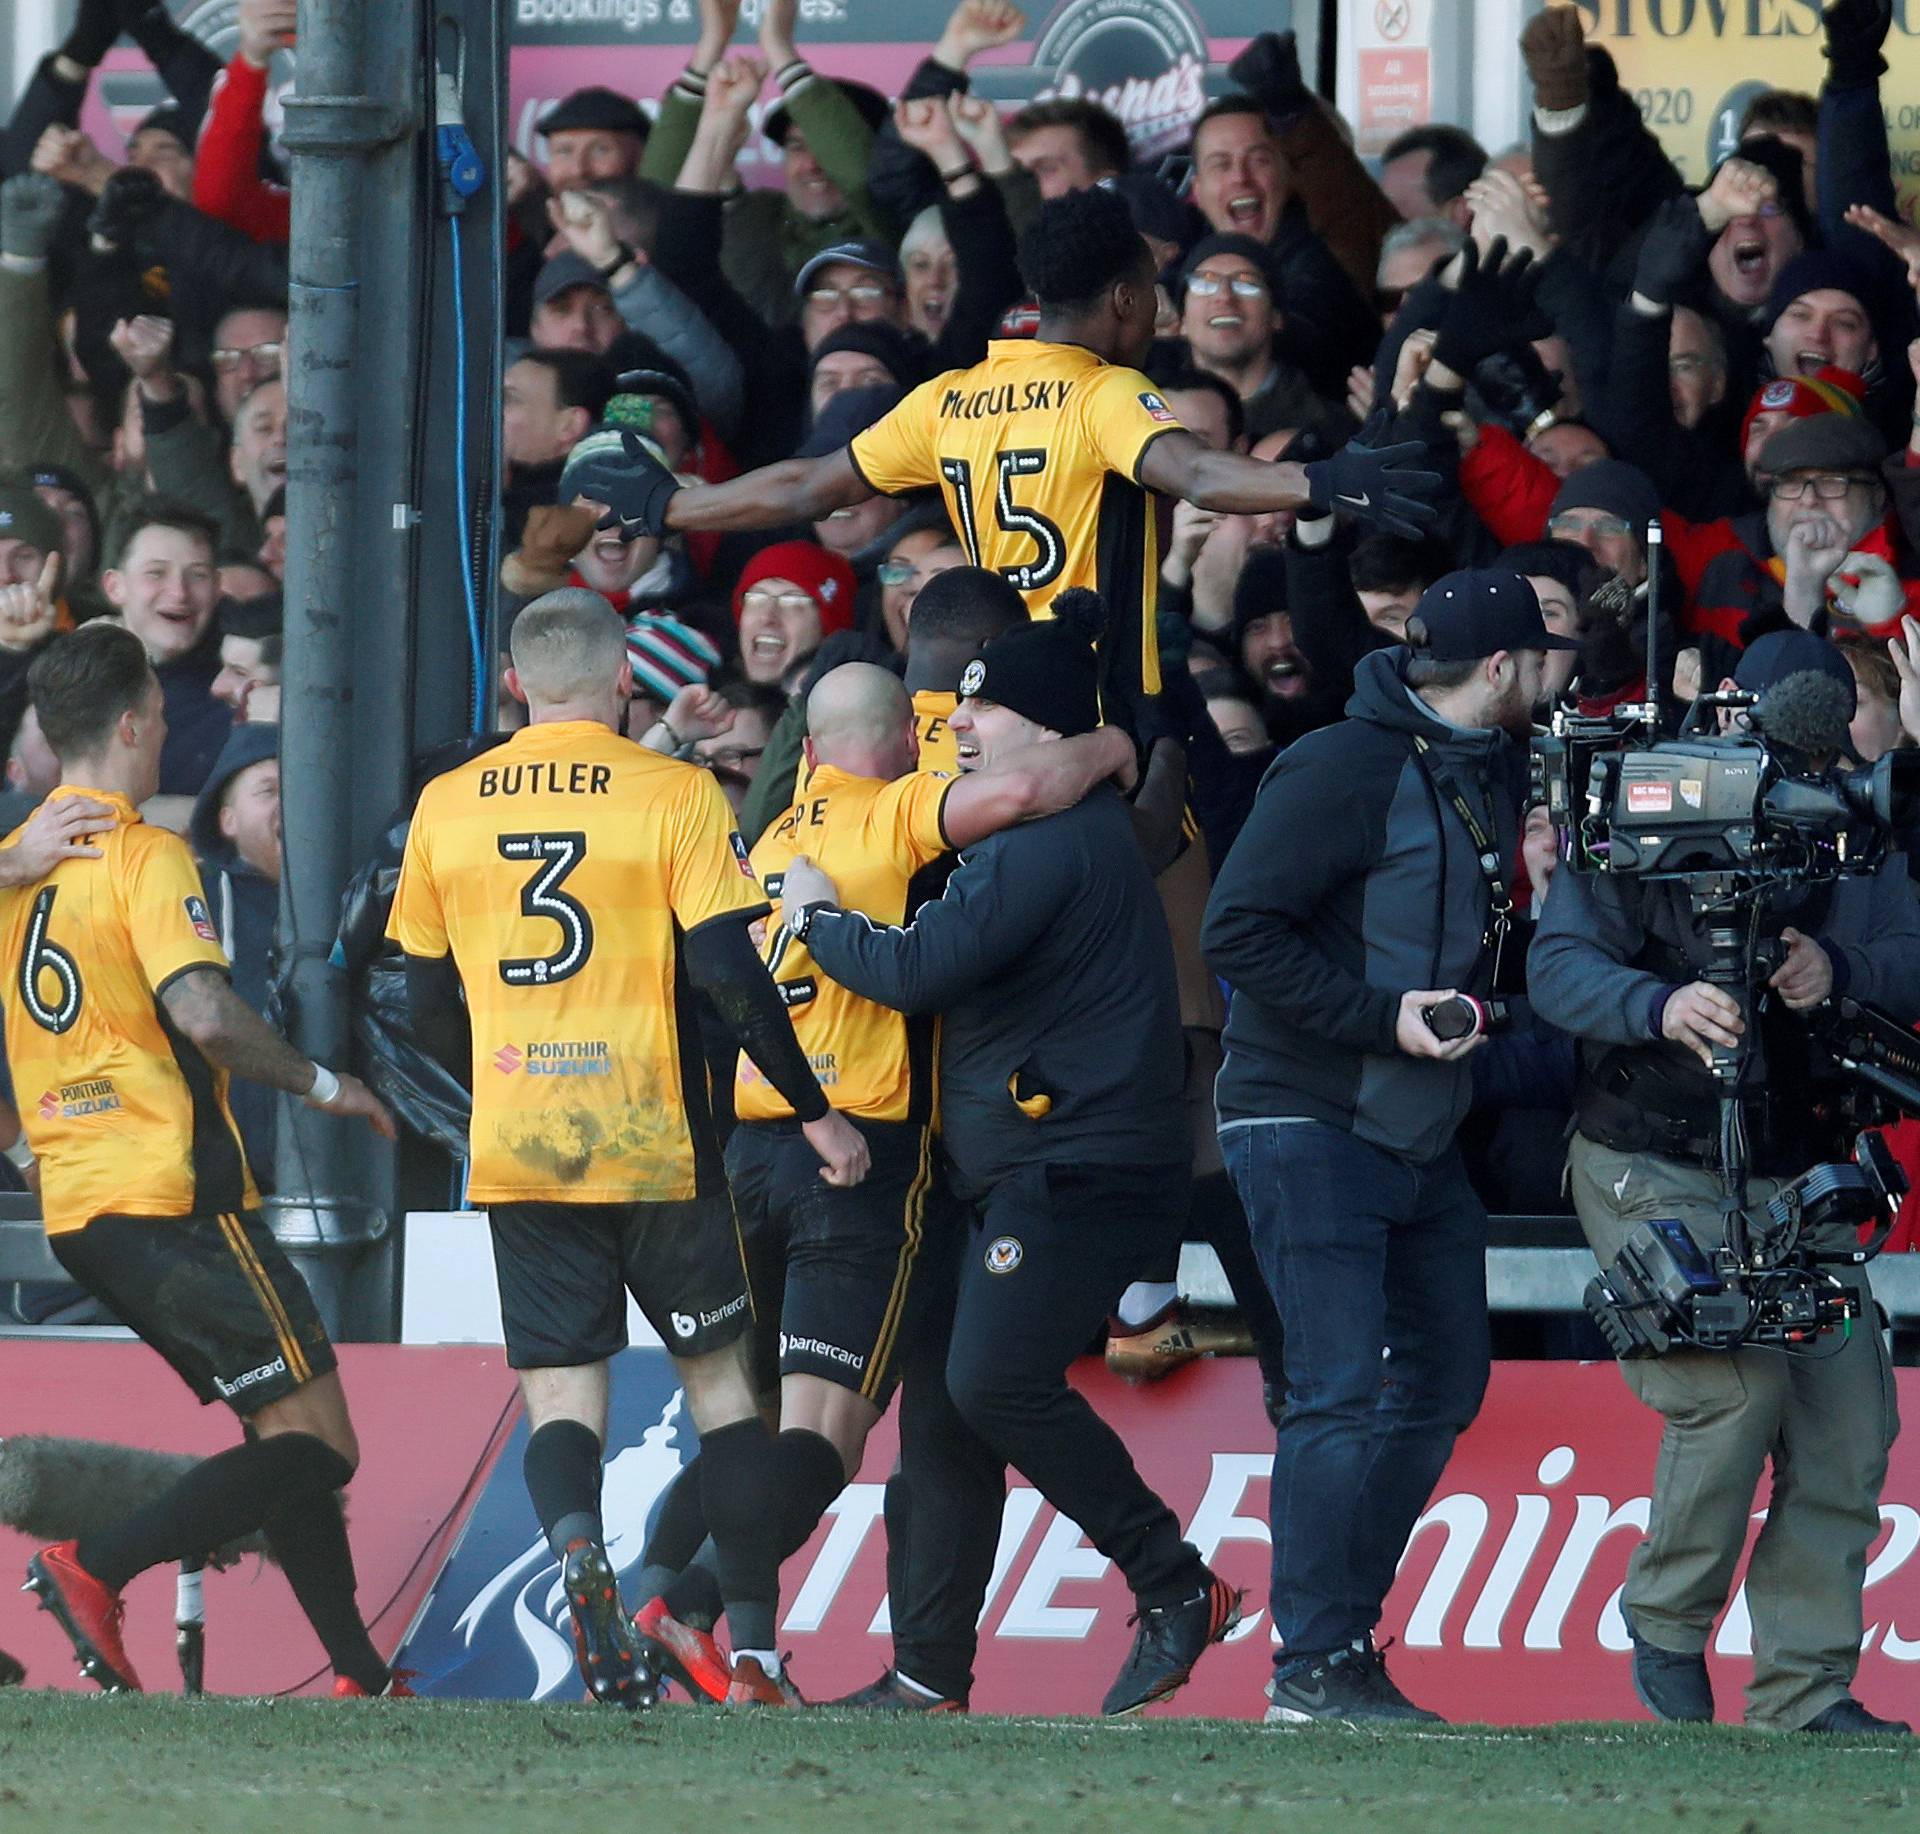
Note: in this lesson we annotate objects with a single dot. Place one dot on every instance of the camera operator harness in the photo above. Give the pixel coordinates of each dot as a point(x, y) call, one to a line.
point(1738, 826)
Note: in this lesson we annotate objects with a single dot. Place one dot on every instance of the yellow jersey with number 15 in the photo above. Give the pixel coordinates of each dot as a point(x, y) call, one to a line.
point(563, 871)
point(1037, 452)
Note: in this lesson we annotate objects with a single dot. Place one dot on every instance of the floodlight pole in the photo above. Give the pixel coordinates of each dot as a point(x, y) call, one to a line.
point(328, 1177)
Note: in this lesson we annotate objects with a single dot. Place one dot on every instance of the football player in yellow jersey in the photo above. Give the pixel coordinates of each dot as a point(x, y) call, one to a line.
point(953, 615)
point(121, 1030)
point(1048, 453)
point(846, 1257)
point(572, 885)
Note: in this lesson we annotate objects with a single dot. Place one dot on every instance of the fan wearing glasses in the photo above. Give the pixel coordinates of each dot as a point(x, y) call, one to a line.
point(1827, 519)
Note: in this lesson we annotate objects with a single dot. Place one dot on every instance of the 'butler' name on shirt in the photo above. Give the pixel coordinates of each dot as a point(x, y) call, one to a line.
point(545, 778)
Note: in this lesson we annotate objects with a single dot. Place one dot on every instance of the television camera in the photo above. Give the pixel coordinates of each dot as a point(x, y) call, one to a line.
point(1735, 821)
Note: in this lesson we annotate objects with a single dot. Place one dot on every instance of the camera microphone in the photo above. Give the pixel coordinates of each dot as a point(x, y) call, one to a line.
point(1806, 712)
point(1464, 1017)
point(64, 1489)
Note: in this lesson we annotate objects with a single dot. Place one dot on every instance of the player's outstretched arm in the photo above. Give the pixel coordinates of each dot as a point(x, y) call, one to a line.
point(228, 1032)
point(1034, 781)
point(644, 498)
point(1384, 487)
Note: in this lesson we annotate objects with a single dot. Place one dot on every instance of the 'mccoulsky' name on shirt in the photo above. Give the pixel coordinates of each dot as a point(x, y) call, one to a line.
point(1043, 397)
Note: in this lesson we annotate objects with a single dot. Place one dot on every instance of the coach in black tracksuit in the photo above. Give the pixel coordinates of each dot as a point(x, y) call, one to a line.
point(1060, 1099)
point(1362, 892)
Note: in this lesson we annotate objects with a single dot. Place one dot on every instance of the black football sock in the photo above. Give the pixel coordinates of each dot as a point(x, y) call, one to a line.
point(673, 1540)
point(807, 1476)
point(736, 1483)
point(562, 1470)
point(308, 1536)
point(221, 1499)
point(693, 1594)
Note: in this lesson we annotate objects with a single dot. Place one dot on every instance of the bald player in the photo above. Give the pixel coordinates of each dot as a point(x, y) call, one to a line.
point(846, 1256)
point(572, 885)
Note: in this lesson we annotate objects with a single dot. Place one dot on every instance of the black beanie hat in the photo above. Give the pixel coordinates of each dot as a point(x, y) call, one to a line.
point(1612, 485)
point(1046, 671)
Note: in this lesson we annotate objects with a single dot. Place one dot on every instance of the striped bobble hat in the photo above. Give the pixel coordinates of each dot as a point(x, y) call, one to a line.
point(1829, 390)
point(607, 440)
point(667, 656)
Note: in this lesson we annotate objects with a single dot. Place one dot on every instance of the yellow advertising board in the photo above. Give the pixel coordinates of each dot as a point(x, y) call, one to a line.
point(1694, 65)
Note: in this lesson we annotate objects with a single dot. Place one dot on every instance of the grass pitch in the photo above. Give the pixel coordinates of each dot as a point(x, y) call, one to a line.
point(164, 1766)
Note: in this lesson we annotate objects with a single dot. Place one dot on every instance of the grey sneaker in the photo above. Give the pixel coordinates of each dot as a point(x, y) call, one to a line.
point(1671, 1686)
point(1349, 1684)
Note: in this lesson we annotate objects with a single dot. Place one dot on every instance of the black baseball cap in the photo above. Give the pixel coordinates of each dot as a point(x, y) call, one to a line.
point(1477, 612)
point(595, 108)
point(563, 272)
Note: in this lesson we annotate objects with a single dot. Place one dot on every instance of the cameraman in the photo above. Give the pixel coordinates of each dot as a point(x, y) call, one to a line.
point(1362, 892)
point(1619, 963)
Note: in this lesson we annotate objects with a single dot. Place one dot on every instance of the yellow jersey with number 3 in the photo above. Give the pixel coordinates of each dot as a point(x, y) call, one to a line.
point(1037, 452)
point(126, 1117)
point(562, 871)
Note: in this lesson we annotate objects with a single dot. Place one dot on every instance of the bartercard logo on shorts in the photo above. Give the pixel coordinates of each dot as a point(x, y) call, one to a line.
point(252, 1378)
point(740, 854)
point(1004, 1254)
point(683, 1326)
point(1156, 408)
point(202, 921)
point(974, 678)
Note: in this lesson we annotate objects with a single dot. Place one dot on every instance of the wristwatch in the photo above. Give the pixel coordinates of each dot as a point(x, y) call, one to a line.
point(801, 921)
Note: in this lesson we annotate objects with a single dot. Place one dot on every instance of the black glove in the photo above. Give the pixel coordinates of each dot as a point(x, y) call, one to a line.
point(634, 485)
point(1268, 69)
point(95, 29)
point(1856, 29)
point(1492, 308)
point(1673, 254)
point(1515, 388)
point(132, 195)
point(1376, 486)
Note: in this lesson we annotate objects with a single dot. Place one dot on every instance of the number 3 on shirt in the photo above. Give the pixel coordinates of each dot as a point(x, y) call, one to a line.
point(40, 958)
point(541, 896)
point(1051, 559)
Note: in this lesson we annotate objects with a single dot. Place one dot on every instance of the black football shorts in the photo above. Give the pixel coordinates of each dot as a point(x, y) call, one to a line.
point(840, 1260)
point(215, 1295)
point(565, 1271)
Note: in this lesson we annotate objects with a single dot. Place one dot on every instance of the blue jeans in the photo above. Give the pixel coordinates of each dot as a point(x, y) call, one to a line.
point(1378, 1269)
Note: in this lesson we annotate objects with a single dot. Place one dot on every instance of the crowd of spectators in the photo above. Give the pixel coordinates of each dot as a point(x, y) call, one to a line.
point(1584, 343)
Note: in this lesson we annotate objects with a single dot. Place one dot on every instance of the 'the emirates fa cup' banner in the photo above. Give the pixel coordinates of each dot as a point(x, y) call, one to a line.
point(1506, 1609)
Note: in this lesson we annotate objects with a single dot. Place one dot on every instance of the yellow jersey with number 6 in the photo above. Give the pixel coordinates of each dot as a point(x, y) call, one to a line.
point(563, 871)
point(125, 1115)
point(1037, 452)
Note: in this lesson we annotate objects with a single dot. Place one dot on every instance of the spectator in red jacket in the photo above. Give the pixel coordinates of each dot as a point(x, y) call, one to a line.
point(226, 177)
